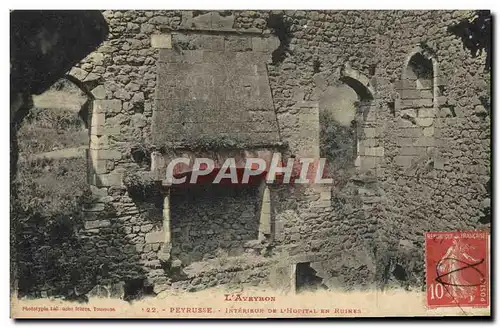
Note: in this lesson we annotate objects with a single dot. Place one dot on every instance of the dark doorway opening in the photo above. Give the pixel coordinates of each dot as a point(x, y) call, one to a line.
point(306, 278)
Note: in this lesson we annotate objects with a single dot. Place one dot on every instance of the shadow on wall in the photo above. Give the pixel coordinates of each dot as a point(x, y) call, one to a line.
point(307, 278)
point(43, 44)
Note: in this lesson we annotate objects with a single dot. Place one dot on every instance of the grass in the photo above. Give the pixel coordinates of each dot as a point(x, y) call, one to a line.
point(46, 203)
point(52, 187)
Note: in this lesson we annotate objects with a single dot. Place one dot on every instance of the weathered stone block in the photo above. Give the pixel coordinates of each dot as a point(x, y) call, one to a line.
point(424, 121)
point(480, 110)
point(99, 92)
point(410, 94)
point(410, 74)
point(423, 102)
point(97, 224)
point(265, 44)
point(98, 192)
point(169, 56)
point(163, 41)
point(160, 287)
point(439, 163)
point(99, 166)
point(442, 100)
point(238, 43)
point(411, 132)
point(369, 132)
point(445, 112)
point(426, 94)
point(109, 154)
point(408, 112)
point(425, 142)
point(370, 115)
point(428, 132)
point(374, 151)
point(412, 150)
point(98, 142)
point(96, 58)
point(426, 112)
point(279, 227)
point(209, 42)
point(357, 161)
point(199, 22)
point(404, 161)
point(308, 134)
point(98, 119)
point(325, 195)
point(322, 203)
point(92, 77)
point(95, 207)
point(441, 80)
point(155, 237)
point(368, 163)
point(406, 103)
point(192, 56)
point(109, 180)
point(97, 130)
point(146, 227)
point(405, 141)
point(218, 22)
point(371, 142)
point(405, 85)
point(106, 199)
point(78, 73)
point(266, 208)
point(111, 130)
point(139, 247)
point(139, 120)
point(424, 84)
point(103, 106)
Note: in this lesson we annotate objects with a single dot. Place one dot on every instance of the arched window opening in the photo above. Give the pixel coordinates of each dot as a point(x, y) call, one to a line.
point(420, 71)
point(58, 123)
point(418, 85)
point(344, 114)
point(338, 128)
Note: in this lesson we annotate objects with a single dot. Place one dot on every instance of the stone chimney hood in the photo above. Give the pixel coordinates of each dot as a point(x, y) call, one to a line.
point(213, 97)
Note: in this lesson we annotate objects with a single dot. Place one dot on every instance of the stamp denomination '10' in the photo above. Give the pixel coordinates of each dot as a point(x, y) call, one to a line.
point(457, 269)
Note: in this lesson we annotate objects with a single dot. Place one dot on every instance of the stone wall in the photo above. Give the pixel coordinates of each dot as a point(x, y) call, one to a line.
point(423, 147)
point(443, 187)
point(208, 219)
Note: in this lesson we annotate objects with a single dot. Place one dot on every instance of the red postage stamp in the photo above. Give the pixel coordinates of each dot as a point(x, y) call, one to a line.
point(457, 269)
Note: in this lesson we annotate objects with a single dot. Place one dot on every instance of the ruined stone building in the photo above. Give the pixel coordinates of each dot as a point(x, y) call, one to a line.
point(411, 101)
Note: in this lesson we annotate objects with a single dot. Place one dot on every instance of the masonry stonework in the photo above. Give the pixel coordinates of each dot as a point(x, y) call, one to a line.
point(165, 79)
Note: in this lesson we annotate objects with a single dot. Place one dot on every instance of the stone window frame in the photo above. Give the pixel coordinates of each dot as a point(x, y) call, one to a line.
point(418, 50)
point(361, 85)
point(89, 107)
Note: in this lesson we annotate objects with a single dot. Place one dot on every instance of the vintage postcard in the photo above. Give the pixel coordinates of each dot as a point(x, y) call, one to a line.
point(457, 269)
point(250, 163)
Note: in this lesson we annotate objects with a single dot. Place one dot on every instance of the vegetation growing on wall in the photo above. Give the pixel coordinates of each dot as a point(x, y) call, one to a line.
point(475, 34)
point(140, 185)
point(281, 28)
point(337, 144)
point(46, 215)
